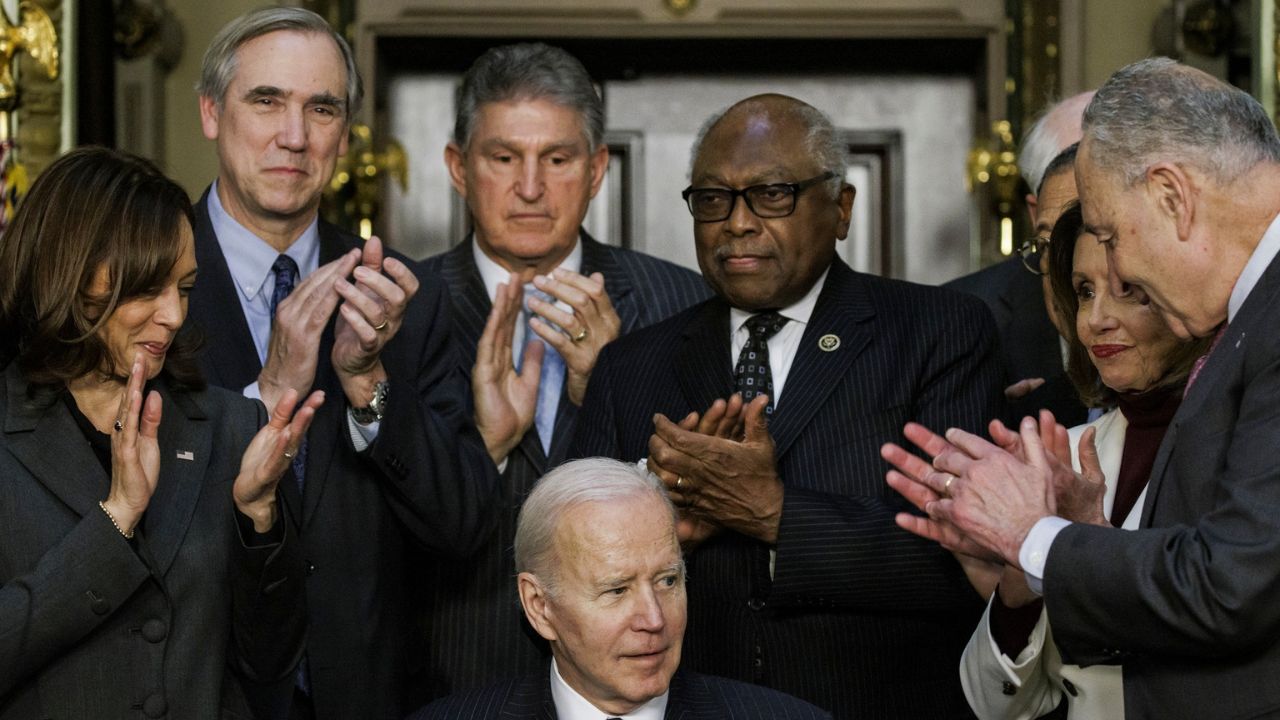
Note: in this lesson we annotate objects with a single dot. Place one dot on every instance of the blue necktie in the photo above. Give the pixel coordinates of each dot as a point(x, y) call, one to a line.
point(286, 273)
point(550, 381)
point(752, 375)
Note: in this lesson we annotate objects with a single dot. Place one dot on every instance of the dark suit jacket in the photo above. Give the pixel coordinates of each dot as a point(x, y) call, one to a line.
point(426, 483)
point(860, 618)
point(93, 626)
point(476, 627)
point(693, 697)
point(1189, 603)
point(1030, 345)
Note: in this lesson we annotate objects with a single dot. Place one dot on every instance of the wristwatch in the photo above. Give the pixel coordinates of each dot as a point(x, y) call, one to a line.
point(377, 405)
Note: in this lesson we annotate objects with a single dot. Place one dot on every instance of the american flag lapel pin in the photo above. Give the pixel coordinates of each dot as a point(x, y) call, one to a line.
point(186, 455)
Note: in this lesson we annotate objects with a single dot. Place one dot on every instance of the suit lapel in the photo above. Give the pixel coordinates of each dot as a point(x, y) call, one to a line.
point(181, 479)
point(842, 310)
point(232, 361)
point(703, 368)
point(48, 442)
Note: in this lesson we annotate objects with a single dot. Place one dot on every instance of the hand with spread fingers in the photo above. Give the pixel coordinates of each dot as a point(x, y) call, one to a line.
point(269, 454)
point(1078, 495)
point(371, 313)
point(300, 320)
point(505, 400)
point(135, 452)
point(582, 333)
point(733, 483)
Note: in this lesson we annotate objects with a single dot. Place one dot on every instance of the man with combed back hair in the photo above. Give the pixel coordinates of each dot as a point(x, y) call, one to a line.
point(800, 581)
point(1179, 177)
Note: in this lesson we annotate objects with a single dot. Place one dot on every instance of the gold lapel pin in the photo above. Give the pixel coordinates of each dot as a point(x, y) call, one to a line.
point(829, 343)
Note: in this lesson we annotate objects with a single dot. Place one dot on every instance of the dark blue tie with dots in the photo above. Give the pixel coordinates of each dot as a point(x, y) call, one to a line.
point(286, 272)
point(751, 375)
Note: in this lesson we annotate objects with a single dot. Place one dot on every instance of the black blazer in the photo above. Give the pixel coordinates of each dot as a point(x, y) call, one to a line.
point(94, 626)
point(1188, 603)
point(1030, 345)
point(425, 485)
point(854, 601)
point(693, 697)
point(476, 630)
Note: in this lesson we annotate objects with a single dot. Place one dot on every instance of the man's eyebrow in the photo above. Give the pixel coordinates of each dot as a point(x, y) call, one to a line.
point(613, 582)
point(265, 91)
point(327, 99)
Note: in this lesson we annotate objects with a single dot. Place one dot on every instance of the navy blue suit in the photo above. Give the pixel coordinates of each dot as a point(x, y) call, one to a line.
point(477, 631)
point(860, 618)
point(692, 697)
point(425, 484)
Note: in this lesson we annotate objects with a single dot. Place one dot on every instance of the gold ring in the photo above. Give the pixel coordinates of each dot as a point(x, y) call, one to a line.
point(679, 481)
point(383, 326)
point(288, 454)
point(946, 486)
point(582, 335)
point(119, 426)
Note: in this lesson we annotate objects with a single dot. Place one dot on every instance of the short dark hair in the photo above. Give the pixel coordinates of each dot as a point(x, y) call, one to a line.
point(1062, 162)
point(91, 208)
point(1080, 369)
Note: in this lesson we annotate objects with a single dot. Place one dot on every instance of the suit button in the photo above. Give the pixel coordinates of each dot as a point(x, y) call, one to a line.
point(153, 631)
point(97, 604)
point(155, 706)
point(1070, 687)
point(1008, 688)
point(755, 604)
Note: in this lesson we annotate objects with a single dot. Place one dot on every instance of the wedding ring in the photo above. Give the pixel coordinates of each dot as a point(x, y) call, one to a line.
point(288, 454)
point(946, 486)
point(582, 335)
point(383, 326)
point(119, 426)
point(679, 481)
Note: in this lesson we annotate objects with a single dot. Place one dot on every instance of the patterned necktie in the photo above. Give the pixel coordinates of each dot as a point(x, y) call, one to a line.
point(752, 375)
point(286, 273)
point(551, 379)
point(1200, 361)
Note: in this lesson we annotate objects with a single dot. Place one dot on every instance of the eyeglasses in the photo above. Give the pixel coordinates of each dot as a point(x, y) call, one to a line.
point(1031, 251)
point(774, 200)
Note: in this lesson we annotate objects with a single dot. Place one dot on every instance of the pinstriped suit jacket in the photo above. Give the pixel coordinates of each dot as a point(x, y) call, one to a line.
point(860, 617)
point(477, 631)
point(693, 697)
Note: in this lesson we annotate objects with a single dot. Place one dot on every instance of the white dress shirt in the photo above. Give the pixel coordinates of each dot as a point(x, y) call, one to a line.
point(493, 275)
point(249, 260)
point(1034, 552)
point(572, 706)
point(784, 343)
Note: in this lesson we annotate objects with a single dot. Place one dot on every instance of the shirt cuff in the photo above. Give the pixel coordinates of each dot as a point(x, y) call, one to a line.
point(362, 436)
point(253, 392)
point(1034, 552)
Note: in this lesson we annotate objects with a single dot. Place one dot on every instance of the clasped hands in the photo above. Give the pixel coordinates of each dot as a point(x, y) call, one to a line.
point(371, 306)
point(719, 469)
point(982, 498)
point(506, 400)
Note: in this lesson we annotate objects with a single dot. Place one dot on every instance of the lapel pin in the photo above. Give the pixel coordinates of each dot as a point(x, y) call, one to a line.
point(1240, 340)
point(186, 455)
point(829, 343)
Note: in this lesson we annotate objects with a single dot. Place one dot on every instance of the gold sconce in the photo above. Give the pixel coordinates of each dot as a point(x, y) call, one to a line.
point(36, 36)
point(993, 166)
point(354, 190)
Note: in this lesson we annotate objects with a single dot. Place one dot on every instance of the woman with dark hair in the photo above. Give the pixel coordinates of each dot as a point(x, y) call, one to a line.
point(145, 569)
point(1122, 356)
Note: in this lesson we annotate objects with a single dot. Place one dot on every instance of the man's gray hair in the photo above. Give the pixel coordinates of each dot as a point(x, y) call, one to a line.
point(1056, 128)
point(1159, 110)
point(821, 139)
point(591, 480)
point(220, 62)
point(528, 71)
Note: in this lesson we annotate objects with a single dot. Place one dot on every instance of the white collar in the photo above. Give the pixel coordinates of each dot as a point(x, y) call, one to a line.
point(1258, 263)
point(570, 705)
point(494, 274)
point(798, 312)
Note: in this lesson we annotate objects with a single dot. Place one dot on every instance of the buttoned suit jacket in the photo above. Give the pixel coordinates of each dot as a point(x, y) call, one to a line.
point(366, 519)
point(1187, 603)
point(692, 697)
point(1030, 345)
point(94, 626)
point(477, 630)
point(852, 599)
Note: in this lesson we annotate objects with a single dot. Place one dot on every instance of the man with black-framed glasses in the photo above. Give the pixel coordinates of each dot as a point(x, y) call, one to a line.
point(764, 409)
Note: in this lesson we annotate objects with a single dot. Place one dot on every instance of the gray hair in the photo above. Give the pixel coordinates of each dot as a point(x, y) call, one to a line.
point(598, 479)
point(1158, 109)
point(821, 141)
point(1056, 128)
point(528, 71)
point(220, 62)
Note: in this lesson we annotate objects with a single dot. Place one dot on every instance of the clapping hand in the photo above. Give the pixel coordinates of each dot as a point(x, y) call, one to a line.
point(135, 452)
point(269, 454)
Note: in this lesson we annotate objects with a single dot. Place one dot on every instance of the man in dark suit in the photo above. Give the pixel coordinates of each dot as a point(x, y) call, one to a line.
point(391, 461)
point(800, 580)
point(1016, 291)
point(601, 579)
point(1179, 177)
point(528, 155)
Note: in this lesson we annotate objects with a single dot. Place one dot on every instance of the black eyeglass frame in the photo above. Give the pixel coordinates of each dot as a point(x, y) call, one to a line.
point(794, 189)
point(1030, 251)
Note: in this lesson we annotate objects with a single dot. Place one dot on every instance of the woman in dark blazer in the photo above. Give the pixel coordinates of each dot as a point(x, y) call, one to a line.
point(145, 570)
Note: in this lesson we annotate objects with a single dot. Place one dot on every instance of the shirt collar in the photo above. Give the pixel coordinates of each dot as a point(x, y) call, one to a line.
point(798, 312)
point(249, 258)
point(1258, 263)
point(494, 274)
point(572, 706)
